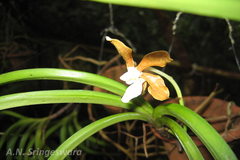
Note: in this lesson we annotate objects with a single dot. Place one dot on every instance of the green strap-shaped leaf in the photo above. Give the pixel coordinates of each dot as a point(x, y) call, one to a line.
point(73, 141)
point(73, 76)
point(13, 114)
point(64, 75)
point(92, 139)
point(65, 96)
point(185, 140)
point(216, 145)
point(26, 136)
point(213, 8)
point(12, 129)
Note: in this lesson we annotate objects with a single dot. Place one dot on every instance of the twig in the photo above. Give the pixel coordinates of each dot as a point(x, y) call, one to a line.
point(229, 120)
point(104, 136)
point(114, 59)
point(53, 116)
point(129, 139)
point(111, 15)
point(210, 71)
point(204, 104)
point(101, 50)
point(232, 42)
point(136, 143)
point(115, 31)
point(90, 112)
point(119, 132)
point(136, 140)
point(221, 118)
point(59, 112)
point(152, 154)
point(105, 34)
point(63, 62)
point(86, 59)
point(154, 146)
point(174, 27)
point(144, 140)
point(73, 50)
point(133, 124)
point(149, 140)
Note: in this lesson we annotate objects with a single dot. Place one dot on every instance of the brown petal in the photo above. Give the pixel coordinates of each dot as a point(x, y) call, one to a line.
point(122, 49)
point(156, 87)
point(157, 58)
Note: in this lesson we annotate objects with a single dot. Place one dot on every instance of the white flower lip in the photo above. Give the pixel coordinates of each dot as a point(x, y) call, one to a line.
point(132, 76)
point(134, 90)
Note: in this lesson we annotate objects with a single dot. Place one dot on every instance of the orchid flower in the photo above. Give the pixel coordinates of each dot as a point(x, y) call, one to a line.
point(136, 78)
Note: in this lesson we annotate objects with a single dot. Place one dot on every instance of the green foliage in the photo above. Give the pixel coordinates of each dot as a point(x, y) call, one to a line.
point(214, 8)
point(214, 142)
point(33, 136)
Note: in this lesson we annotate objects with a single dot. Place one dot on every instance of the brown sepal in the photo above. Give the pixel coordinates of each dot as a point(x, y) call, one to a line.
point(156, 87)
point(157, 58)
point(125, 51)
